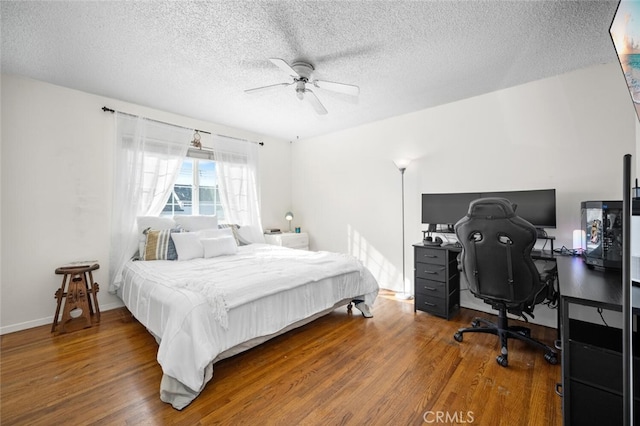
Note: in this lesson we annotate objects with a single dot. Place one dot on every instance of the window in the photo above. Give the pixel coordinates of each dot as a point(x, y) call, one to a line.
point(195, 191)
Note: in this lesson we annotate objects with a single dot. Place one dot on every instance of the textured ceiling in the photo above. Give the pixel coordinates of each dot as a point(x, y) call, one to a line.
point(197, 58)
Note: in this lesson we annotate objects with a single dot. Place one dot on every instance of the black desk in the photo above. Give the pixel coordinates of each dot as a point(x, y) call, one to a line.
point(592, 287)
point(592, 353)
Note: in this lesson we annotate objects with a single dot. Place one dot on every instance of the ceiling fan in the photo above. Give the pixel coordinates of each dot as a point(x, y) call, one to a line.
point(301, 72)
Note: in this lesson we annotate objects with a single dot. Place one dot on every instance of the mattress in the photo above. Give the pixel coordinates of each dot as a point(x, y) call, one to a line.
point(201, 310)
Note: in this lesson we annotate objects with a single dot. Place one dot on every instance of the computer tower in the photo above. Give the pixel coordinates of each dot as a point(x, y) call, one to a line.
point(602, 226)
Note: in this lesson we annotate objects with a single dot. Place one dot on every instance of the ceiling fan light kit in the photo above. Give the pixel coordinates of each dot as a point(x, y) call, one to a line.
point(302, 72)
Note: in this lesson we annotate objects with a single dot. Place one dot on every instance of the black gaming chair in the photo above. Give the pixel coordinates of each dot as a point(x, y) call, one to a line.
point(496, 262)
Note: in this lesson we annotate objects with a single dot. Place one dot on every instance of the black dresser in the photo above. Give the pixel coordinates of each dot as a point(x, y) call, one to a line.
point(437, 281)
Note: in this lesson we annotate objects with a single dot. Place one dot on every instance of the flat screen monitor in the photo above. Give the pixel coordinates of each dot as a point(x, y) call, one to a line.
point(535, 206)
point(446, 209)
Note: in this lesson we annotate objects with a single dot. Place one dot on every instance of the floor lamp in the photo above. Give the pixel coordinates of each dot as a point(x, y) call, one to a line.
point(402, 166)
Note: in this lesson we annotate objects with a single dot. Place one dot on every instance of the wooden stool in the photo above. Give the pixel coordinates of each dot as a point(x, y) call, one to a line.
point(78, 283)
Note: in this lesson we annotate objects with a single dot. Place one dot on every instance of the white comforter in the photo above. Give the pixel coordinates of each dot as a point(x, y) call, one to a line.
point(203, 307)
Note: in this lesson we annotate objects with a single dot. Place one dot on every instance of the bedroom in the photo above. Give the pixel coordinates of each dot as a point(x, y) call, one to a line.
point(63, 138)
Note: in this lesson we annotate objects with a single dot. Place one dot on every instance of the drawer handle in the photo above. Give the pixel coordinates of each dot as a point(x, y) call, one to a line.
point(431, 272)
point(430, 256)
point(430, 288)
point(429, 304)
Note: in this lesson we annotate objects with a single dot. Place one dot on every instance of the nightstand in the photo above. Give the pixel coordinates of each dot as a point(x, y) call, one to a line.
point(295, 240)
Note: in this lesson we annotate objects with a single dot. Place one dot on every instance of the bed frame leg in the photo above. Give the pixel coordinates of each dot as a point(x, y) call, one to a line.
point(362, 307)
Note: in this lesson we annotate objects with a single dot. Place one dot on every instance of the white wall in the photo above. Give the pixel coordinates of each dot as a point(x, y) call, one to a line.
point(56, 190)
point(568, 132)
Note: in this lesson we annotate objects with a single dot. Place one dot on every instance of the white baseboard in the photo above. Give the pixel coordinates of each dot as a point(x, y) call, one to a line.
point(48, 320)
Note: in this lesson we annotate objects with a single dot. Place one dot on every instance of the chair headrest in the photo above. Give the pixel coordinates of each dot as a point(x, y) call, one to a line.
point(492, 208)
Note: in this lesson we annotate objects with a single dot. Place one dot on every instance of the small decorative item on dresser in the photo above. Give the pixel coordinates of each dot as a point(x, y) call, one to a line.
point(77, 285)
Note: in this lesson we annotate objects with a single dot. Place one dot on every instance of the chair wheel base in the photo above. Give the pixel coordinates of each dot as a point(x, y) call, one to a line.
point(502, 360)
point(506, 332)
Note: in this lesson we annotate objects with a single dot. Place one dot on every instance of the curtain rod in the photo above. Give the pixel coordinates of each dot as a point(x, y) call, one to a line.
point(106, 109)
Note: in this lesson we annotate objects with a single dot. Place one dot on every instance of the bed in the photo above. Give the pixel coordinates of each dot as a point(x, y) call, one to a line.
point(206, 308)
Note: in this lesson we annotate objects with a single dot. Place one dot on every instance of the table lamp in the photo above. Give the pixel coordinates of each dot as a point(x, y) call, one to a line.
point(578, 240)
point(289, 217)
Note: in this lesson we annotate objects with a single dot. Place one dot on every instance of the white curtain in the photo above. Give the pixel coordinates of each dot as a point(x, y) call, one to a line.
point(237, 171)
point(148, 156)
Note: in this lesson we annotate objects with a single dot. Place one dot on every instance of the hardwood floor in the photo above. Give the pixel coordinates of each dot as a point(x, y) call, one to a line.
point(397, 368)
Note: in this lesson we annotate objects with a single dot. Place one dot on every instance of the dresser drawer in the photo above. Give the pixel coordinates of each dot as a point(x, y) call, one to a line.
point(431, 255)
point(431, 288)
point(295, 240)
point(431, 272)
point(433, 305)
point(289, 239)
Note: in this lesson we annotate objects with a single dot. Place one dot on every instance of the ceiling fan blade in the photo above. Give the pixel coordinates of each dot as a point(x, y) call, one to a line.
point(284, 66)
point(315, 102)
point(266, 88)
point(348, 89)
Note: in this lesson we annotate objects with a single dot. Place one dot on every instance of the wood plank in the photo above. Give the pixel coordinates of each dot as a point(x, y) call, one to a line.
point(394, 368)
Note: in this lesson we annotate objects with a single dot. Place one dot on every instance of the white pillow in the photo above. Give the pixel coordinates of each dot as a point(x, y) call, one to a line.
point(214, 233)
point(188, 245)
point(155, 222)
point(250, 235)
point(219, 246)
point(196, 223)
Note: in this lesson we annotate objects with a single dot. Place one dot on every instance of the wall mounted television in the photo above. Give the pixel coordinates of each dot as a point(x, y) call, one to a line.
point(536, 206)
point(625, 34)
